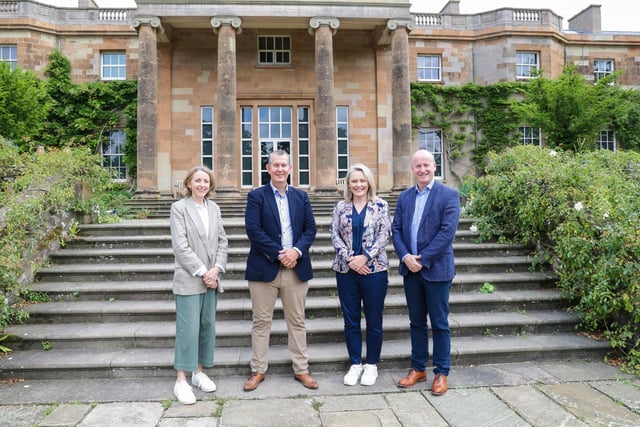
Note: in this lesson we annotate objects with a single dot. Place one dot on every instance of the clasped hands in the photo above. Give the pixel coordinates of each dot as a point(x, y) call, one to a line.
point(358, 264)
point(413, 263)
point(210, 277)
point(288, 257)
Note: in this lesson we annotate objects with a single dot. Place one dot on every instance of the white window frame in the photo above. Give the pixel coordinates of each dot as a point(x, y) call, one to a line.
point(530, 136)
point(342, 141)
point(526, 62)
point(429, 68)
point(113, 155)
point(304, 146)
point(607, 140)
point(9, 54)
point(246, 142)
point(207, 132)
point(602, 67)
point(113, 65)
point(274, 50)
point(432, 139)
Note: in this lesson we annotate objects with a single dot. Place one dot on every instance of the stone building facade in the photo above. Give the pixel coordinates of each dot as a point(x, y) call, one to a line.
point(224, 83)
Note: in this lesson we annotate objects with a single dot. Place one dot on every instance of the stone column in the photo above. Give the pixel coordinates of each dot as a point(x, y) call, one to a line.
point(226, 156)
point(147, 173)
point(325, 106)
point(401, 103)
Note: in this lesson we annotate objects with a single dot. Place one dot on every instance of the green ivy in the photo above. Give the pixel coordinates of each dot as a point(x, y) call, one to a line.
point(569, 110)
point(82, 114)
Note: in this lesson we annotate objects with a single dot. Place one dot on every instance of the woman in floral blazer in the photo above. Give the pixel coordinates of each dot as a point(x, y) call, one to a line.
point(360, 232)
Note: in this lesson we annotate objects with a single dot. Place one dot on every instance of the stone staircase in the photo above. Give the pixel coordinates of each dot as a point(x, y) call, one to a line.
point(111, 311)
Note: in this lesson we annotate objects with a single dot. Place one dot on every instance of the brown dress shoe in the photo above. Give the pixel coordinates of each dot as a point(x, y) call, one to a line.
point(412, 378)
point(307, 381)
point(253, 381)
point(439, 386)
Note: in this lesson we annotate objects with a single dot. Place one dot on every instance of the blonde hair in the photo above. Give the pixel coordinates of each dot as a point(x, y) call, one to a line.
point(186, 192)
point(371, 192)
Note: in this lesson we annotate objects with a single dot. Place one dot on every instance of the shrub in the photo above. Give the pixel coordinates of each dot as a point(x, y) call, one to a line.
point(41, 195)
point(581, 210)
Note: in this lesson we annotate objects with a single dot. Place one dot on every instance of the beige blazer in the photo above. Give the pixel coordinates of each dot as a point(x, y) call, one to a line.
point(192, 247)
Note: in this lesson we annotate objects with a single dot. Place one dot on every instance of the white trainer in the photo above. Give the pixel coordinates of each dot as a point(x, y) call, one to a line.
point(353, 375)
point(203, 382)
point(182, 391)
point(369, 375)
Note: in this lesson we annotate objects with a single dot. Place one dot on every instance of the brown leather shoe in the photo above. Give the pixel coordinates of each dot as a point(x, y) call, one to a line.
point(412, 378)
point(439, 386)
point(306, 380)
point(253, 381)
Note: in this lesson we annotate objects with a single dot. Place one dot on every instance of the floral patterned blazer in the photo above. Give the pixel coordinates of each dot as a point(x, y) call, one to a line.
point(377, 231)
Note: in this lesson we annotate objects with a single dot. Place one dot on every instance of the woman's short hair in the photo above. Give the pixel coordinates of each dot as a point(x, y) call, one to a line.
point(371, 192)
point(186, 191)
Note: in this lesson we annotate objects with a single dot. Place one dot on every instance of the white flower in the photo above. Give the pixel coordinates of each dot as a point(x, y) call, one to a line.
point(606, 215)
point(473, 228)
point(553, 153)
point(578, 206)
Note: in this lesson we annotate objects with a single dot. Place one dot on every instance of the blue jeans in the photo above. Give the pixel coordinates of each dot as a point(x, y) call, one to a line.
point(432, 299)
point(362, 292)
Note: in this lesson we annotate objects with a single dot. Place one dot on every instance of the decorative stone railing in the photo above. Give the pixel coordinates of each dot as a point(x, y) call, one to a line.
point(494, 18)
point(65, 15)
point(113, 15)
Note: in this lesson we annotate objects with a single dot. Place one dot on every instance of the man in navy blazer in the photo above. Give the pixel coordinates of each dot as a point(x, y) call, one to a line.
point(281, 228)
point(424, 226)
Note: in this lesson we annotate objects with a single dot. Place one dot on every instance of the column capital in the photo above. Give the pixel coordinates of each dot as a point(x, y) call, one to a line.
point(393, 24)
point(153, 21)
point(233, 21)
point(316, 22)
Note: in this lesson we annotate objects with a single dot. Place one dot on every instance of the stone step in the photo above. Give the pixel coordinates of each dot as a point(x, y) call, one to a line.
point(238, 252)
point(114, 310)
point(324, 357)
point(232, 226)
point(235, 270)
point(237, 333)
point(161, 289)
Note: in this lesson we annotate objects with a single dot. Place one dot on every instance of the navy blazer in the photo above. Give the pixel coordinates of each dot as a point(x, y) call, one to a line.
point(435, 235)
point(262, 223)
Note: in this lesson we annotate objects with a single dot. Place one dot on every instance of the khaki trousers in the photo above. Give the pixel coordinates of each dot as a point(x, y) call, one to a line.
point(293, 294)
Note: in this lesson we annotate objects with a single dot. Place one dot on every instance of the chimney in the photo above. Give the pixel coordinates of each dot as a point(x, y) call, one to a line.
point(587, 21)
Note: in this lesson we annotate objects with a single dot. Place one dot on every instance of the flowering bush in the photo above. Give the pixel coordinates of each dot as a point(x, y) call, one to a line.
point(582, 212)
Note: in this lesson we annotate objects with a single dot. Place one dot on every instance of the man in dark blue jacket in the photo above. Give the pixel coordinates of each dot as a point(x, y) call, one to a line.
point(424, 226)
point(281, 228)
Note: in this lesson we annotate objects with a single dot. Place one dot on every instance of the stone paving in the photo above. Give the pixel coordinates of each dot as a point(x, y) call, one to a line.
point(569, 393)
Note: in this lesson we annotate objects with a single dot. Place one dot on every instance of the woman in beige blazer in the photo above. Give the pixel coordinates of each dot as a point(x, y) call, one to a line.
point(200, 247)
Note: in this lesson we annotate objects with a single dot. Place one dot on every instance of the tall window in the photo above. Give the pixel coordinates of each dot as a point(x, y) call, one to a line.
point(607, 140)
point(112, 155)
point(274, 131)
point(246, 125)
point(527, 64)
point(206, 136)
point(602, 68)
point(304, 148)
point(431, 140)
point(530, 136)
point(274, 50)
point(9, 54)
point(114, 66)
point(342, 131)
point(429, 68)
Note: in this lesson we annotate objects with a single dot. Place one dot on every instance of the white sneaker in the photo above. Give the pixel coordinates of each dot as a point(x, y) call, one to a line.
point(369, 375)
point(203, 382)
point(353, 375)
point(182, 391)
